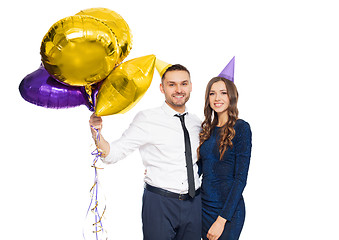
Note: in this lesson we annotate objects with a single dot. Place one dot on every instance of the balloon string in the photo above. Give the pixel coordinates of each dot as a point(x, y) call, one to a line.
point(94, 192)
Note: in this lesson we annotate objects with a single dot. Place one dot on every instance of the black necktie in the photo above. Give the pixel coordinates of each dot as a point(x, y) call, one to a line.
point(188, 155)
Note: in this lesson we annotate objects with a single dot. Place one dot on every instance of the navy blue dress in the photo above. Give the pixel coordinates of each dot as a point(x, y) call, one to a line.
point(224, 180)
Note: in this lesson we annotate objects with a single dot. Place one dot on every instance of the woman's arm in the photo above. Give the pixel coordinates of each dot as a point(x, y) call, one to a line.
point(243, 146)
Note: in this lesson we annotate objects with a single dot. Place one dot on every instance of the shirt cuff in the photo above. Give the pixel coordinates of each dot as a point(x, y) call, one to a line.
point(109, 158)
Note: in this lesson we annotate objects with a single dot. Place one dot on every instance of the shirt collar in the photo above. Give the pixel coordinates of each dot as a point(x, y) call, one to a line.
point(170, 111)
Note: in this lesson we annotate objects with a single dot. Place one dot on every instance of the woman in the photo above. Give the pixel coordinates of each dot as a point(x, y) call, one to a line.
point(225, 150)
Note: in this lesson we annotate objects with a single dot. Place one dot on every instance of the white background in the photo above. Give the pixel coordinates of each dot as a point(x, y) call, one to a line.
point(286, 71)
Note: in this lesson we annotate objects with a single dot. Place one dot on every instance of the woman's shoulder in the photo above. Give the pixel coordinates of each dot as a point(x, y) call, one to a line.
point(242, 126)
point(241, 123)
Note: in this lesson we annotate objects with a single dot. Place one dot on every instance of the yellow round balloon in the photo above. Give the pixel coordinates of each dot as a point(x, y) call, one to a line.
point(80, 50)
point(125, 86)
point(118, 25)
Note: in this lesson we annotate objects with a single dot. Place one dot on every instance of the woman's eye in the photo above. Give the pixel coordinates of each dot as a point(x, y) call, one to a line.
point(211, 94)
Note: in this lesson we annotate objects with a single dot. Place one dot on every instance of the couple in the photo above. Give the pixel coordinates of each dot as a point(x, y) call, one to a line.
point(176, 149)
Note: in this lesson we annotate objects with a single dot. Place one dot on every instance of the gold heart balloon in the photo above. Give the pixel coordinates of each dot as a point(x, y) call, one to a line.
point(125, 86)
point(117, 24)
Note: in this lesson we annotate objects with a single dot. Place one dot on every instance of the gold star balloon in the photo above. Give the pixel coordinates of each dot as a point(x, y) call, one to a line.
point(125, 86)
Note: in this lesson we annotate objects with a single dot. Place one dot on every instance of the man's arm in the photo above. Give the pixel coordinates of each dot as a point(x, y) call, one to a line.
point(95, 123)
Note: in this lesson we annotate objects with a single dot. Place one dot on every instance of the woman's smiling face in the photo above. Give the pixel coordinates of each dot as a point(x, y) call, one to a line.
point(218, 97)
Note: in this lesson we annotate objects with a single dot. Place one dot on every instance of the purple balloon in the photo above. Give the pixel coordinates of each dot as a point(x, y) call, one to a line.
point(41, 89)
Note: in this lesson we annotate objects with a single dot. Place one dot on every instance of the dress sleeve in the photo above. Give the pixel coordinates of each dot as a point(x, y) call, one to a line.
point(199, 163)
point(243, 146)
point(134, 137)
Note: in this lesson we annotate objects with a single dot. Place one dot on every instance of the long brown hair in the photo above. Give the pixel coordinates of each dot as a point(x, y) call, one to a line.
point(227, 131)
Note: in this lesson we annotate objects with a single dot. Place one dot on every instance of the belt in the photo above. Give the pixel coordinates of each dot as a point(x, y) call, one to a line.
point(166, 193)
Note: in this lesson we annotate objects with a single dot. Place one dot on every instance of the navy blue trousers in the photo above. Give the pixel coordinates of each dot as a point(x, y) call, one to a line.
point(169, 218)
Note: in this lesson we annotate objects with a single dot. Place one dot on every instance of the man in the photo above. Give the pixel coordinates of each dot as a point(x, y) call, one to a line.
point(167, 138)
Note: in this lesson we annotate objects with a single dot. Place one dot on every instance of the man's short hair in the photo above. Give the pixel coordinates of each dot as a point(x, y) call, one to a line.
point(175, 67)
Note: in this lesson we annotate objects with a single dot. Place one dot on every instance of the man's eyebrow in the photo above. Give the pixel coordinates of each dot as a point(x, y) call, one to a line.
point(177, 82)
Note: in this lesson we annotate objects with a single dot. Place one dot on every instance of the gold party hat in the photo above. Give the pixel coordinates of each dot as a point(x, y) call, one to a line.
point(161, 66)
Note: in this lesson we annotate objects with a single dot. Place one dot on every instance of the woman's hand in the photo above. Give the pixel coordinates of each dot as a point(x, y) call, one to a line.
point(216, 229)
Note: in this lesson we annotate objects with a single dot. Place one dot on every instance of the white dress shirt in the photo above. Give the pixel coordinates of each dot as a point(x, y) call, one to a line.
point(160, 138)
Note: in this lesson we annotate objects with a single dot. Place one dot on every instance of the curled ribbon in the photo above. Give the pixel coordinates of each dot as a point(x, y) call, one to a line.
point(98, 226)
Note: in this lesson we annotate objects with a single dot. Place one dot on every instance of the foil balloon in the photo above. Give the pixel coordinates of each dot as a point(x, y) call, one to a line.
point(117, 24)
point(125, 86)
point(41, 89)
point(79, 50)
